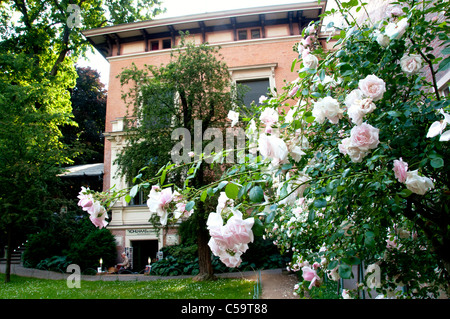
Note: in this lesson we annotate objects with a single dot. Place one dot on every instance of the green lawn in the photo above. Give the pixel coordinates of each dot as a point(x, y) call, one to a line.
point(33, 288)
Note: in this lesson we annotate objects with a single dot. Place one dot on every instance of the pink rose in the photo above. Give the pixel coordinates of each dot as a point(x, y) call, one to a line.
point(310, 274)
point(359, 109)
point(240, 229)
point(85, 200)
point(98, 215)
point(293, 91)
point(269, 117)
point(400, 170)
point(158, 202)
point(273, 147)
point(372, 87)
point(229, 241)
point(308, 40)
point(364, 136)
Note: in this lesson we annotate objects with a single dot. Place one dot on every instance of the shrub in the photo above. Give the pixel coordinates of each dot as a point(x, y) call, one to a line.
point(55, 263)
point(74, 240)
point(182, 259)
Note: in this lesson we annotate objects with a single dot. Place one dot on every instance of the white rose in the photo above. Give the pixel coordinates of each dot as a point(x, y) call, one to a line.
point(310, 61)
point(359, 108)
point(352, 97)
point(372, 87)
point(411, 64)
point(382, 39)
point(327, 108)
point(234, 117)
point(273, 147)
point(396, 30)
point(418, 184)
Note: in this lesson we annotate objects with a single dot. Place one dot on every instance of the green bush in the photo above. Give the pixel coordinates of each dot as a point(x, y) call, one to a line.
point(42, 246)
point(69, 239)
point(182, 259)
point(55, 263)
point(100, 243)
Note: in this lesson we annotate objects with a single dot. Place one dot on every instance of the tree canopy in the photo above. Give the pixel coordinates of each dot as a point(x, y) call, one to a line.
point(40, 42)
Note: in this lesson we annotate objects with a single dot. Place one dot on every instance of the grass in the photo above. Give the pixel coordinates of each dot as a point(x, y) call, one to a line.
point(33, 288)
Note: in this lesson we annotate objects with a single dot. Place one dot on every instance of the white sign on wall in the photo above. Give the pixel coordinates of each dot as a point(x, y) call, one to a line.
point(140, 232)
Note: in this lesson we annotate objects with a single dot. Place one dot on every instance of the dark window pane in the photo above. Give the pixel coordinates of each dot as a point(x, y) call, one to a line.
point(242, 35)
point(167, 44)
point(155, 45)
point(256, 33)
point(254, 89)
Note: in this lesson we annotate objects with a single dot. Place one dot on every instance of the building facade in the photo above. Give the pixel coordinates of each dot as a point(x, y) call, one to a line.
point(256, 44)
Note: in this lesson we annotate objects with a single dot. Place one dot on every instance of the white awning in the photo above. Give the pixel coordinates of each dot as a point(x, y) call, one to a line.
point(83, 170)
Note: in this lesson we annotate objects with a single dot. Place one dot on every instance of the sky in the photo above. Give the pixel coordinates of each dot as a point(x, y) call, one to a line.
point(177, 8)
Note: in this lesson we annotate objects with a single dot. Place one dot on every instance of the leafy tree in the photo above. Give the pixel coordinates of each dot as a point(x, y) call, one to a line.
point(88, 99)
point(40, 42)
point(193, 86)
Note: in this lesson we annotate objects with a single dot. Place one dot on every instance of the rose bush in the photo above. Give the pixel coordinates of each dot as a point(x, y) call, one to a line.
point(344, 167)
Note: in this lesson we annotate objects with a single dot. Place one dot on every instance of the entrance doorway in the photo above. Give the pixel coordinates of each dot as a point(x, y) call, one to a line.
point(142, 250)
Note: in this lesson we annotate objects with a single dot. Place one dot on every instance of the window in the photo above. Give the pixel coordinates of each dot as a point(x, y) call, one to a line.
point(139, 199)
point(242, 34)
point(254, 90)
point(166, 43)
point(255, 33)
point(154, 45)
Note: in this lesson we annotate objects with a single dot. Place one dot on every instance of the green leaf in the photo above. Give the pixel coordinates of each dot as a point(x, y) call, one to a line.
point(256, 194)
point(134, 190)
point(190, 205)
point(231, 190)
point(352, 260)
point(333, 264)
point(204, 195)
point(127, 198)
point(222, 184)
point(293, 65)
point(405, 193)
point(320, 203)
point(345, 271)
point(369, 238)
point(310, 119)
point(437, 162)
point(394, 113)
point(322, 75)
point(311, 216)
point(270, 217)
point(163, 177)
point(258, 227)
point(445, 64)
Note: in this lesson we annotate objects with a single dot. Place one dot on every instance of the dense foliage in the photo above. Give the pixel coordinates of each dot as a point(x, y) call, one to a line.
point(345, 168)
point(40, 41)
point(183, 260)
point(70, 240)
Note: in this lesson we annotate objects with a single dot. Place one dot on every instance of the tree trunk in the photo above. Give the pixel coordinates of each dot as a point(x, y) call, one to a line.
point(204, 257)
point(206, 271)
point(8, 257)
